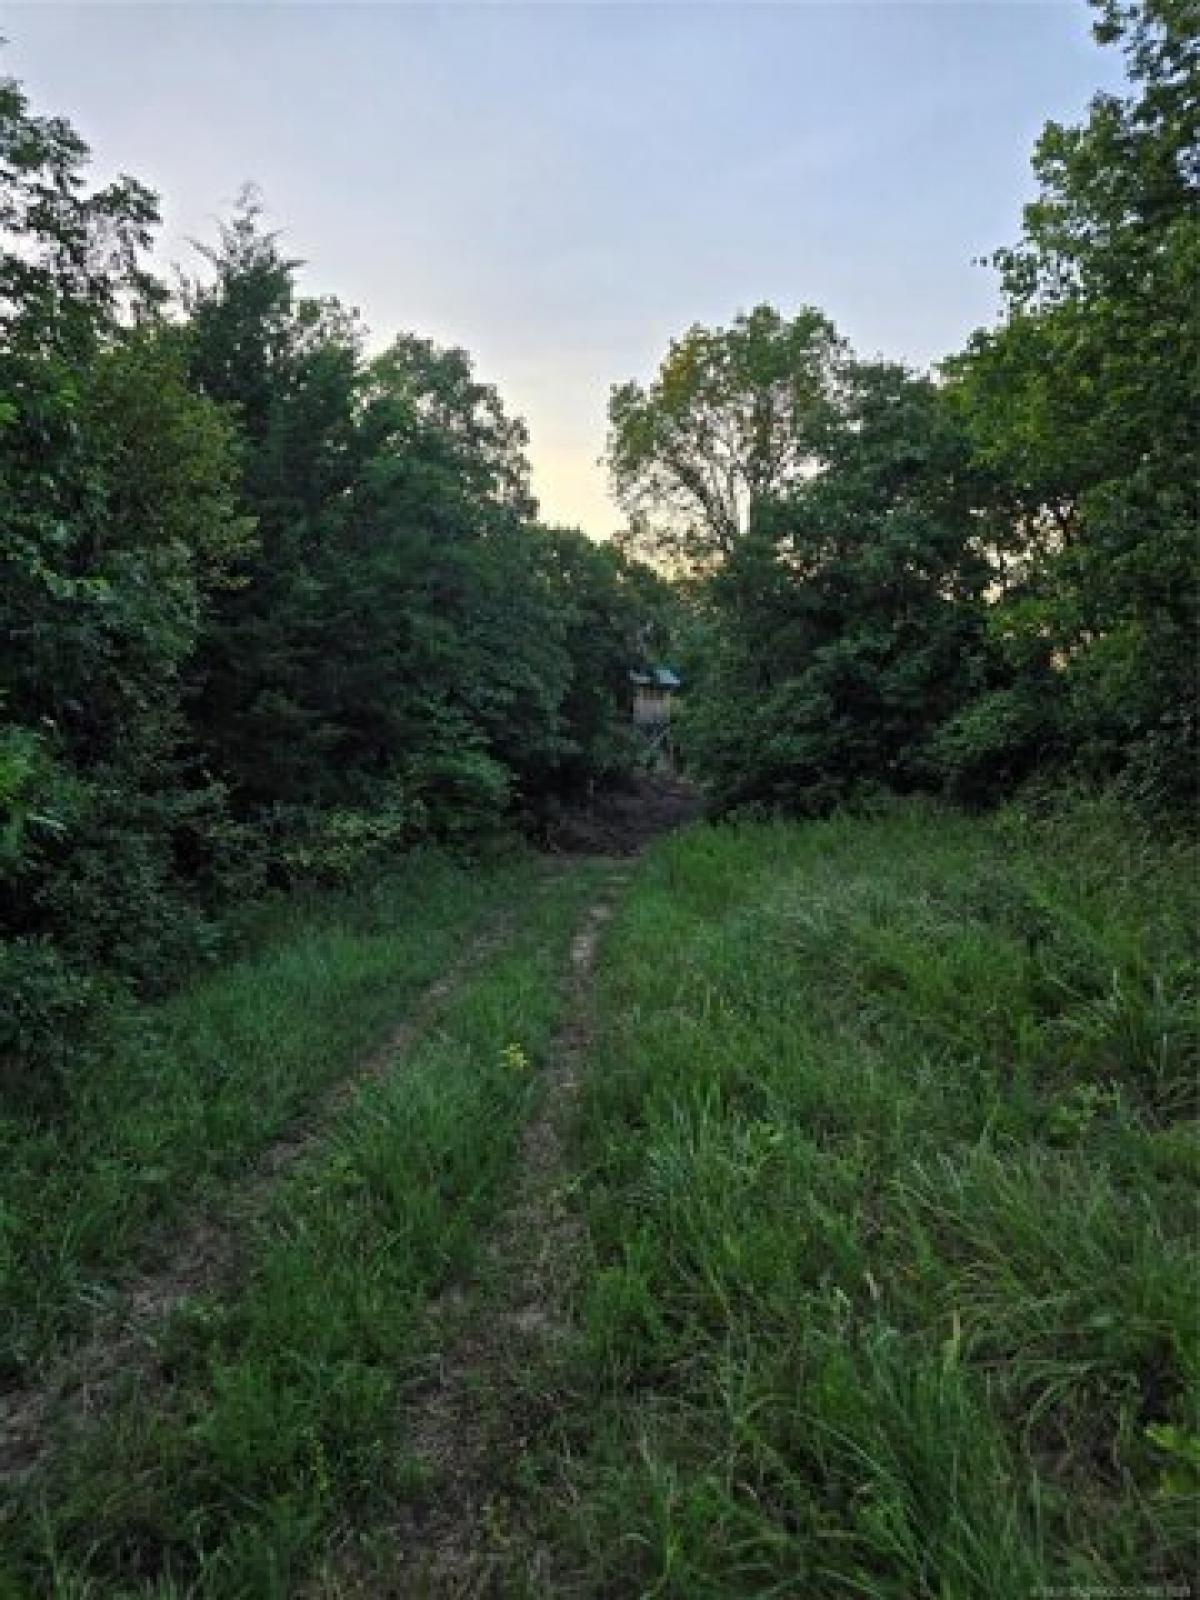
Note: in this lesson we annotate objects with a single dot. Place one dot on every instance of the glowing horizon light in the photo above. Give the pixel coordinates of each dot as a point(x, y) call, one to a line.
point(561, 189)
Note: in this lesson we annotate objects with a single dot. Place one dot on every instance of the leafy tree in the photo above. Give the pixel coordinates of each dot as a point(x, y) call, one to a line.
point(852, 619)
point(117, 520)
point(447, 637)
point(288, 371)
point(1084, 404)
point(402, 634)
point(116, 492)
point(458, 425)
point(735, 416)
point(614, 610)
point(71, 260)
point(1000, 577)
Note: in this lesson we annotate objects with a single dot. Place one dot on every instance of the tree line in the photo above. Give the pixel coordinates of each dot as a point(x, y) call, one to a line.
point(272, 608)
point(962, 581)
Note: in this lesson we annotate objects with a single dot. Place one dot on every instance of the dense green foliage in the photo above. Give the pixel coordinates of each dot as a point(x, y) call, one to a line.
point(1085, 402)
point(733, 417)
point(852, 612)
point(955, 585)
point(270, 611)
point(889, 1184)
point(117, 516)
point(850, 1246)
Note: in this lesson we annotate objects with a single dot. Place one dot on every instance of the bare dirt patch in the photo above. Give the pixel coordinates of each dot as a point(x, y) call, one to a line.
point(622, 821)
point(205, 1257)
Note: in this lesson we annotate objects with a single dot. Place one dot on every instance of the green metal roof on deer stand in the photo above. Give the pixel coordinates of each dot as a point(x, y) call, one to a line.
point(656, 678)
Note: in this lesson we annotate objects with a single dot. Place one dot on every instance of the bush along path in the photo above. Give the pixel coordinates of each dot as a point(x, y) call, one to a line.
point(262, 1421)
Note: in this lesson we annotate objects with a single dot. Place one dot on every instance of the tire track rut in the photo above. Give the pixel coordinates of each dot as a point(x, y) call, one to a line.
point(461, 1424)
point(208, 1255)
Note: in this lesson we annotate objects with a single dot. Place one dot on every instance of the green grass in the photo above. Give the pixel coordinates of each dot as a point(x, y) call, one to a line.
point(276, 1422)
point(889, 1180)
point(207, 1079)
point(886, 1163)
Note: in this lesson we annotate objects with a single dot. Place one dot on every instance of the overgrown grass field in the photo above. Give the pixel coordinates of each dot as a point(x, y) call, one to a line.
point(203, 1082)
point(890, 1166)
point(884, 1284)
point(272, 1424)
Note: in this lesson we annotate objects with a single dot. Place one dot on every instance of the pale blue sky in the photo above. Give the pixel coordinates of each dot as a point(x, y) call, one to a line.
point(562, 187)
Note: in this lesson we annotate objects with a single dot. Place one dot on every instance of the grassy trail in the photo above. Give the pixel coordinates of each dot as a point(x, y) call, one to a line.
point(470, 1421)
point(202, 1254)
point(168, 1122)
point(259, 1424)
point(800, 1212)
